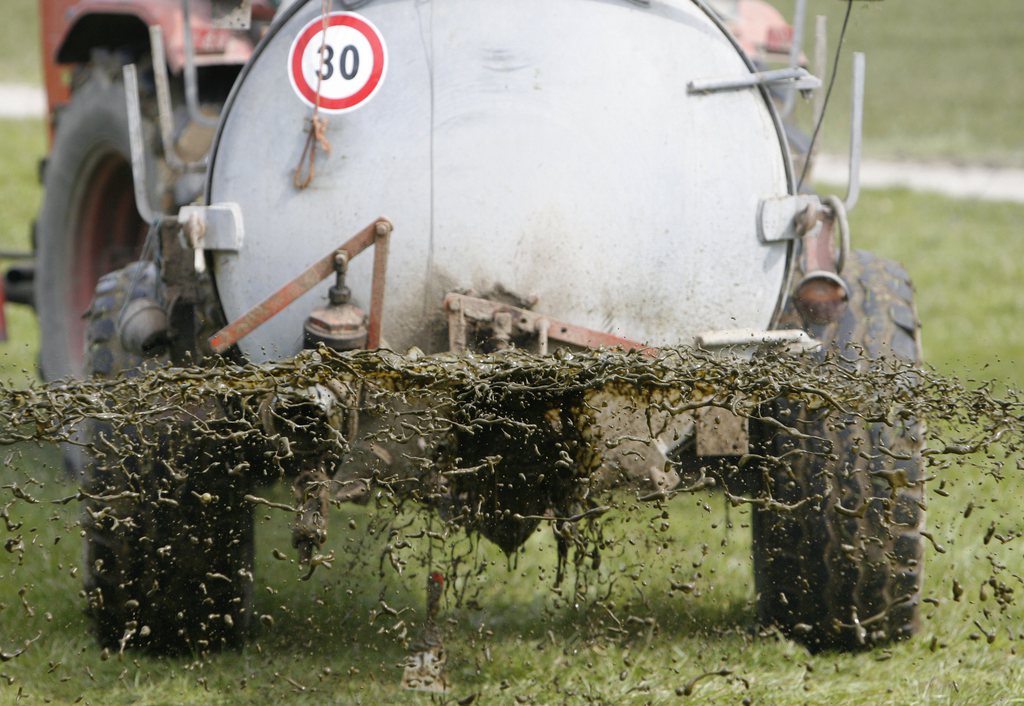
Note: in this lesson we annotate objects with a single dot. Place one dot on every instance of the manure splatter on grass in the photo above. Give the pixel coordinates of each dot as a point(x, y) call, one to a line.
point(401, 465)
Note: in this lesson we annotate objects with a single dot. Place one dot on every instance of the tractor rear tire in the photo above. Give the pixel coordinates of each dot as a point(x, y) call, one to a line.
point(88, 224)
point(846, 577)
point(168, 533)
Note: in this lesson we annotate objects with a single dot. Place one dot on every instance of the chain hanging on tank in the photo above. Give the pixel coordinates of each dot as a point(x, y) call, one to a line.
point(316, 133)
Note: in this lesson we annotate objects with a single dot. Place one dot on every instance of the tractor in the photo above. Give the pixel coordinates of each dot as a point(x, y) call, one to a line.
point(555, 176)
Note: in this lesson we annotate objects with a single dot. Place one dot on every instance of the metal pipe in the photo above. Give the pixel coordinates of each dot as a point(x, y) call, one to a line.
point(838, 209)
point(821, 296)
point(163, 97)
point(484, 310)
point(819, 68)
point(191, 81)
point(382, 231)
point(856, 131)
point(542, 326)
point(820, 60)
point(136, 142)
point(164, 108)
point(795, 49)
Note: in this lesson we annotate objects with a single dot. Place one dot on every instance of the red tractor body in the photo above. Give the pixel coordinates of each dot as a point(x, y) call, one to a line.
point(73, 29)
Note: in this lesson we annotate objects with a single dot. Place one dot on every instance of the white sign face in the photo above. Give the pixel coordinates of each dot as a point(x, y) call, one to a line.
point(342, 68)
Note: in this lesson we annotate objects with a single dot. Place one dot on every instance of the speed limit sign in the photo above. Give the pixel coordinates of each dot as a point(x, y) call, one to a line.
point(346, 62)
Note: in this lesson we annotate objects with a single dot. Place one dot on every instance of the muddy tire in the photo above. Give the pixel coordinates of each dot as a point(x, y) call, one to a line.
point(168, 535)
point(88, 224)
point(844, 570)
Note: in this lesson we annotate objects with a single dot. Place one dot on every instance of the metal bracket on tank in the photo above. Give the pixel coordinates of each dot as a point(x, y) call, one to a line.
point(215, 227)
point(779, 218)
point(377, 234)
point(508, 320)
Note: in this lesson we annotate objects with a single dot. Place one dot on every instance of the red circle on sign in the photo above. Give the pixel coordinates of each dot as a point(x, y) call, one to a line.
point(314, 28)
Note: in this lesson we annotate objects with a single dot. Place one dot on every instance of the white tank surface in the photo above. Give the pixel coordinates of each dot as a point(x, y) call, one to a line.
point(547, 149)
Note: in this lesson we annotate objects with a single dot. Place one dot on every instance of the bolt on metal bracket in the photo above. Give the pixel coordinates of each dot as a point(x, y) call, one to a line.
point(778, 218)
point(218, 226)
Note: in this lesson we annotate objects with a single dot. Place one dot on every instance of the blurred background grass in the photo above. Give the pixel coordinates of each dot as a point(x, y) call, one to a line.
point(22, 145)
point(943, 84)
point(943, 77)
point(19, 42)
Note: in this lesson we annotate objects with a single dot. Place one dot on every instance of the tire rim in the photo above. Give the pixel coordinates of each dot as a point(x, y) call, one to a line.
point(106, 234)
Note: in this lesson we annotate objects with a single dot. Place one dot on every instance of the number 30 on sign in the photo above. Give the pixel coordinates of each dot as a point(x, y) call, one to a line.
point(349, 69)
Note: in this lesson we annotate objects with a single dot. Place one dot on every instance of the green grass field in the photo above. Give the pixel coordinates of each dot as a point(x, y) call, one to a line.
point(24, 143)
point(945, 92)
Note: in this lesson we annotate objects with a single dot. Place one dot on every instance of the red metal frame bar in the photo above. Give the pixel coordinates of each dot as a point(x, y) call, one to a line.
point(377, 233)
point(381, 244)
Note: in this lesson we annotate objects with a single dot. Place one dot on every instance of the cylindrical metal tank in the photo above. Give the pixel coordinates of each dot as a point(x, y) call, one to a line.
point(547, 149)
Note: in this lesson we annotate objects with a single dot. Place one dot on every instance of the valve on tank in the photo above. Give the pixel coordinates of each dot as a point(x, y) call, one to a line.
point(340, 325)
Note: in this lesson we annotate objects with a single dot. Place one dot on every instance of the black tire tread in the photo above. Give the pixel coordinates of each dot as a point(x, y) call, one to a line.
point(831, 580)
point(163, 569)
